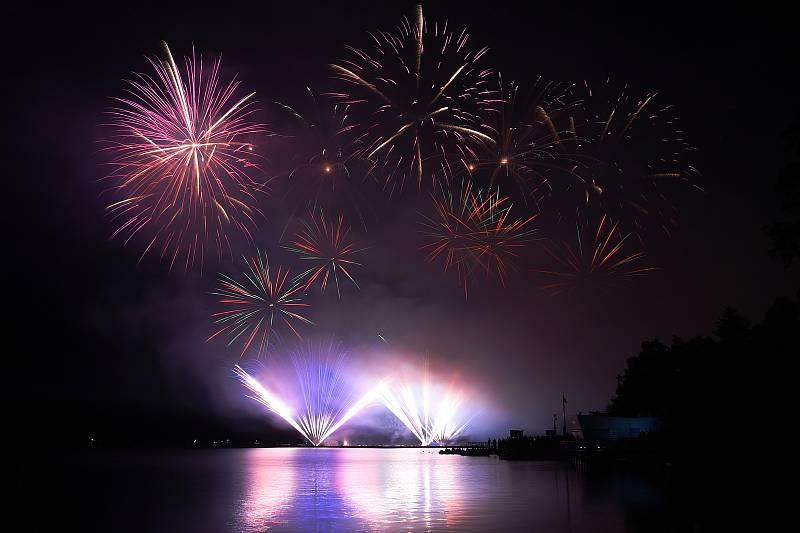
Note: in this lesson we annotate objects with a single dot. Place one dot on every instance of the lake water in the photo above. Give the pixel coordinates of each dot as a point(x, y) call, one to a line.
point(351, 489)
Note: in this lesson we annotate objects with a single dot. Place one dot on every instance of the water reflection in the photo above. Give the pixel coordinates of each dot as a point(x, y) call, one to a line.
point(413, 490)
point(357, 489)
point(395, 488)
point(268, 489)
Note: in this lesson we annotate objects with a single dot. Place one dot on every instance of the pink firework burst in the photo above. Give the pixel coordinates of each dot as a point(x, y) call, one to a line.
point(258, 305)
point(182, 164)
point(326, 246)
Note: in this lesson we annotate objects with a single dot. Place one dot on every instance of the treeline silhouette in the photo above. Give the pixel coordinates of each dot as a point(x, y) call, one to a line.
point(720, 400)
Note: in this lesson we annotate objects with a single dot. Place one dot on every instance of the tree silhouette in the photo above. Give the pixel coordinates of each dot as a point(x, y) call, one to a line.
point(731, 326)
point(718, 400)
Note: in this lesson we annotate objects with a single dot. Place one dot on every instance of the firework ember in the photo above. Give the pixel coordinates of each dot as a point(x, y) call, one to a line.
point(326, 167)
point(182, 163)
point(258, 306)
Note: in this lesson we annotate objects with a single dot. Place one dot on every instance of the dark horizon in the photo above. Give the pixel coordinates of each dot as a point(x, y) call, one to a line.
point(120, 345)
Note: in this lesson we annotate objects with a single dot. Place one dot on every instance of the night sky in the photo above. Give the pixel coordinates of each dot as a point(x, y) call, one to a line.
point(122, 345)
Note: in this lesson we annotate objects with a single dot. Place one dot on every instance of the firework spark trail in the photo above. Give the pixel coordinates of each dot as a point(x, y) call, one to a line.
point(472, 231)
point(369, 397)
point(415, 89)
point(521, 141)
point(639, 158)
point(325, 402)
point(324, 394)
point(181, 163)
point(432, 418)
point(602, 258)
point(256, 305)
point(326, 246)
point(269, 400)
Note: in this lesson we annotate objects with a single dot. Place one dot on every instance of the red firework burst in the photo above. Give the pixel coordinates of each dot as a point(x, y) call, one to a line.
point(182, 164)
point(600, 256)
point(258, 305)
point(325, 245)
point(473, 232)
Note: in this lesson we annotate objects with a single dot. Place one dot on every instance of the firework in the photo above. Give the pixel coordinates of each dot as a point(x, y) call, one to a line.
point(600, 255)
point(258, 305)
point(521, 142)
point(326, 247)
point(323, 398)
point(328, 404)
point(326, 167)
point(182, 164)
point(268, 399)
point(416, 90)
point(431, 413)
point(638, 155)
point(472, 233)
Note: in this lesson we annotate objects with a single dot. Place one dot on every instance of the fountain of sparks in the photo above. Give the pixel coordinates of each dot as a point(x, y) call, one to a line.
point(323, 399)
point(432, 414)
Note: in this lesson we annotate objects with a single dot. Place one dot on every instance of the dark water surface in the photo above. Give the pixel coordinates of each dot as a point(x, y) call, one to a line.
point(330, 489)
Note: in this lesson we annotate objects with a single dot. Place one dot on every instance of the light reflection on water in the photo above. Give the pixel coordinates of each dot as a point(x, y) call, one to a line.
point(405, 489)
point(356, 489)
point(268, 492)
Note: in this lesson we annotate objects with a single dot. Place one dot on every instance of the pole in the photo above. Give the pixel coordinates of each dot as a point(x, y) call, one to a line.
point(564, 411)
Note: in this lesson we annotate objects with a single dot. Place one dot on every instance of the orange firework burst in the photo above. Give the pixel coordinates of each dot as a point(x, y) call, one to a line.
point(414, 90)
point(637, 158)
point(182, 162)
point(521, 142)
